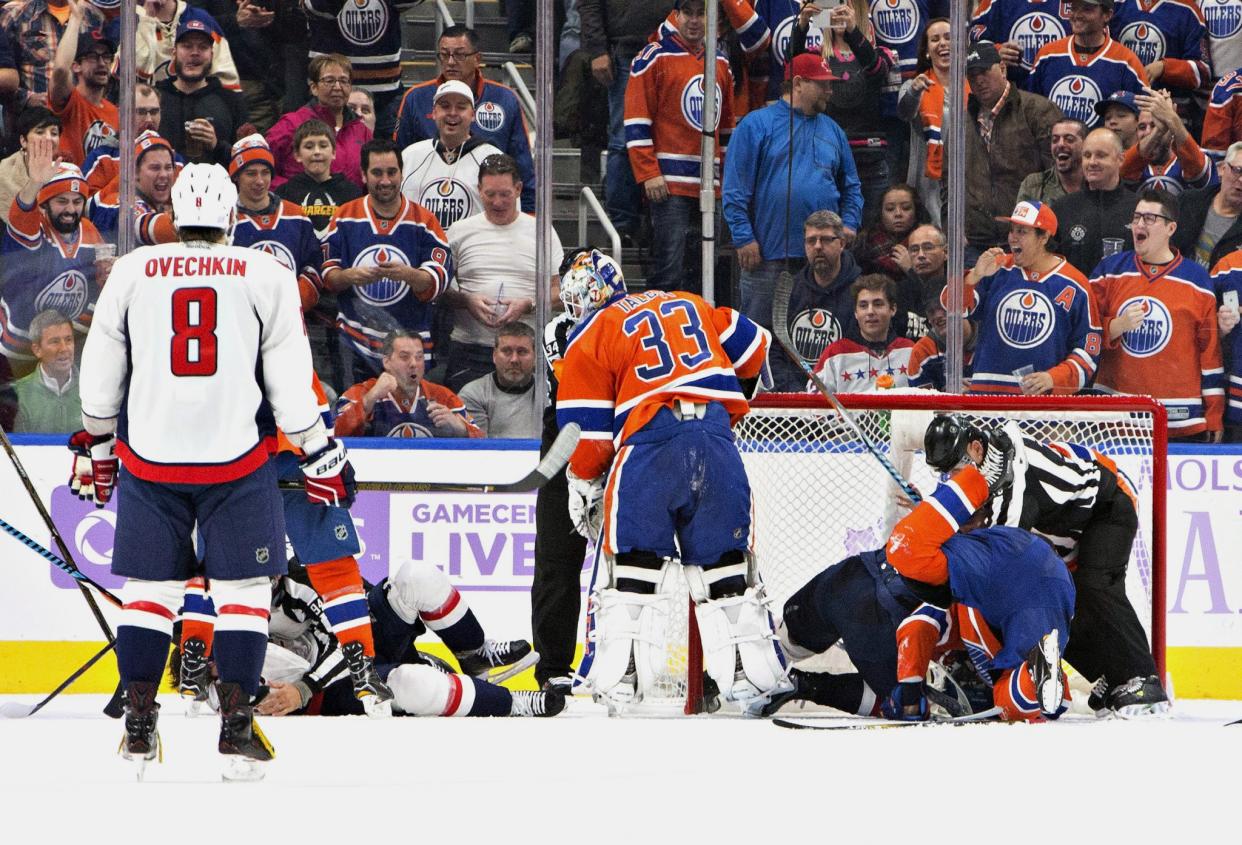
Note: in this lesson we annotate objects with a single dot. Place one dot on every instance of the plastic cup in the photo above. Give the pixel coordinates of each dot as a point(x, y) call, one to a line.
point(1112, 246)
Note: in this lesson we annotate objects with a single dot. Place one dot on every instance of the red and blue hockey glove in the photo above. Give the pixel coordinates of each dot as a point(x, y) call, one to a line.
point(906, 703)
point(329, 476)
point(94, 467)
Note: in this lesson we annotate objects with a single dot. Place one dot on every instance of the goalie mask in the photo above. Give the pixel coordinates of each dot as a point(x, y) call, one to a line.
point(946, 439)
point(592, 280)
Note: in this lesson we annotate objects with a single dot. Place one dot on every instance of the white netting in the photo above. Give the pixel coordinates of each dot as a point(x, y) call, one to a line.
point(821, 496)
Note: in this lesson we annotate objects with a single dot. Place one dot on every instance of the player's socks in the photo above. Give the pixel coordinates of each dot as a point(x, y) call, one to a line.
point(339, 583)
point(452, 620)
point(145, 629)
point(241, 631)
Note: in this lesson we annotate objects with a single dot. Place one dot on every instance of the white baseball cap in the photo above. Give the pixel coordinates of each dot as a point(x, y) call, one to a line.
point(454, 86)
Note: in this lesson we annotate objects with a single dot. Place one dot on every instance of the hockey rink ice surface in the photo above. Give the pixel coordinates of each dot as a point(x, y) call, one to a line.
point(584, 778)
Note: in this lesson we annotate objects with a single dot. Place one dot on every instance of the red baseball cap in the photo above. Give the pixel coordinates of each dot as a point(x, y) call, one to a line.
point(809, 66)
point(1034, 214)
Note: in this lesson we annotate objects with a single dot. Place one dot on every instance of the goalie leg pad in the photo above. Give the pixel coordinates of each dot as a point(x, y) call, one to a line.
point(740, 651)
point(622, 620)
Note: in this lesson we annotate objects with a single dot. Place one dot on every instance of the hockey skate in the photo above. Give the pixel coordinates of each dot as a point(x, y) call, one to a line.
point(245, 747)
point(507, 658)
point(141, 742)
point(374, 694)
point(195, 677)
point(541, 703)
point(1135, 698)
point(1044, 664)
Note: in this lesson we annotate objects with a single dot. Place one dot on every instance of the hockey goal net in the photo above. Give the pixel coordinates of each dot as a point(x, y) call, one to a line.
point(820, 496)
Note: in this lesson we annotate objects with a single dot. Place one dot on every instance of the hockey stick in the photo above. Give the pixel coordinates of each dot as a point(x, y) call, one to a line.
point(780, 310)
point(552, 463)
point(813, 724)
point(70, 569)
point(16, 710)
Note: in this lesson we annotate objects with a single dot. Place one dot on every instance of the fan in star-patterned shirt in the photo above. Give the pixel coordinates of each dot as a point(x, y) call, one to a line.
point(871, 355)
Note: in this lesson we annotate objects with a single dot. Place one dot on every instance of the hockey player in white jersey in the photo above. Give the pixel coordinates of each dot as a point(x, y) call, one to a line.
point(196, 353)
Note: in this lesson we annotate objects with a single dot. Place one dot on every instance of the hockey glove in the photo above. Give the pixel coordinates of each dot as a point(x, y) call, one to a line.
point(329, 476)
point(997, 466)
point(586, 505)
point(906, 703)
point(94, 467)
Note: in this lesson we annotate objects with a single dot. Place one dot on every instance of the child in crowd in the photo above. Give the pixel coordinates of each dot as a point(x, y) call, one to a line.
point(317, 189)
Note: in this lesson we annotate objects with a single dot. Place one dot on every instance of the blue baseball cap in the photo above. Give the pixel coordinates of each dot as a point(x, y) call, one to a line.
point(1118, 98)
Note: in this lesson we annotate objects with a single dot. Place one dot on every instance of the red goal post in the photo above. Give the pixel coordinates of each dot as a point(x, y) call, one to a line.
point(820, 496)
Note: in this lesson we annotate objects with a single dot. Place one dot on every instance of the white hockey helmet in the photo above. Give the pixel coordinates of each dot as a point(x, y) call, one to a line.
point(592, 280)
point(205, 196)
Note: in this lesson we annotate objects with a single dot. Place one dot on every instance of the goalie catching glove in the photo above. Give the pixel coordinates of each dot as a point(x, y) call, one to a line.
point(94, 467)
point(586, 504)
point(329, 475)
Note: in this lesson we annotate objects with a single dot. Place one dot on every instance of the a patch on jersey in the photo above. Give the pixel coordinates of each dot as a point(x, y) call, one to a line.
point(99, 134)
point(489, 116)
point(1224, 17)
point(341, 532)
point(1024, 318)
point(784, 31)
point(386, 291)
point(448, 199)
point(1077, 232)
point(278, 251)
point(262, 555)
point(812, 331)
point(1032, 31)
point(693, 100)
point(410, 430)
point(1154, 333)
point(895, 21)
point(439, 255)
point(1076, 95)
point(1145, 40)
point(363, 22)
point(66, 293)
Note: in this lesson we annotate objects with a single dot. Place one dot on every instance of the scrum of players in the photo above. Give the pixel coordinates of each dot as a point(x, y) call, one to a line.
point(655, 380)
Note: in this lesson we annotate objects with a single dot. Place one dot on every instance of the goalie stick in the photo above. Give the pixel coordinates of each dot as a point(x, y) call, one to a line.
point(780, 326)
point(552, 463)
point(818, 724)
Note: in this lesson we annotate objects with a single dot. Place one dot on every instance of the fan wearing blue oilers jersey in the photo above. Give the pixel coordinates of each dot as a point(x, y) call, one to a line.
point(1166, 155)
point(1020, 29)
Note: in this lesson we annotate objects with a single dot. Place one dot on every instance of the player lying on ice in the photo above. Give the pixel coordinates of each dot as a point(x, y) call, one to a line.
point(306, 672)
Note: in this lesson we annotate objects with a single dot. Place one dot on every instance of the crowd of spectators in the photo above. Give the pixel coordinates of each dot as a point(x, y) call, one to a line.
point(1103, 175)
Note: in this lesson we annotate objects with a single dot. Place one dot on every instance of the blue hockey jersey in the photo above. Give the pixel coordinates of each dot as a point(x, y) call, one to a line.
point(899, 25)
point(358, 237)
point(367, 32)
point(1031, 24)
point(1170, 31)
point(288, 235)
point(1075, 85)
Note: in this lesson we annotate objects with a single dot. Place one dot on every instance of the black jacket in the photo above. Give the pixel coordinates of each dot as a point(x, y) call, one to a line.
point(225, 109)
point(620, 23)
point(1085, 218)
point(1194, 211)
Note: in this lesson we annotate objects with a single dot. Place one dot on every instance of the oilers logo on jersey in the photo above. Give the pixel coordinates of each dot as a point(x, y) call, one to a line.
point(67, 294)
point(410, 430)
point(1145, 40)
point(99, 134)
point(1076, 96)
point(692, 100)
point(1154, 333)
point(895, 21)
point(489, 116)
point(448, 199)
point(1032, 31)
point(782, 33)
point(363, 22)
point(1224, 18)
point(812, 331)
point(278, 251)
point(1024, 318)
point(385, 291)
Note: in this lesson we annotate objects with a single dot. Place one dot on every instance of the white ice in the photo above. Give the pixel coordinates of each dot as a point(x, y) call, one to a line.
point(585, 778)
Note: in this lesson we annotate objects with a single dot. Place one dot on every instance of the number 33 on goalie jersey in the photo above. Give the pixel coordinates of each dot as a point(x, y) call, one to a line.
point(642, 352)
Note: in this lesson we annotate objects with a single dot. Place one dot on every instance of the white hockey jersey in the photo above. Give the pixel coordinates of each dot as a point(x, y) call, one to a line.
point(194, 348)
point(449, 191)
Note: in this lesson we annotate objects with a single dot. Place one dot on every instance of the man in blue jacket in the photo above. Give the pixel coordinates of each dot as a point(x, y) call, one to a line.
point(765, 202)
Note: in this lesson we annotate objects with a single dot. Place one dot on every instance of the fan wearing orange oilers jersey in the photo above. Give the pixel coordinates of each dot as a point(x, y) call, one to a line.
point(1159, 313)
point(753, 36)
point(656, 379)
point(1010, 595)
point(1165, 155)
point(155, 170)
point(1033, 309)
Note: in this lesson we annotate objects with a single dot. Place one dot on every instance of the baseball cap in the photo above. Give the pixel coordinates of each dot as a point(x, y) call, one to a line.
point(191, 26)
point(1034, 214)
point(1117, 98)
point(809, 66)
point(982, 55)
point(247, 151)
point(454, 86)
point(67, 179)
point(94, 41)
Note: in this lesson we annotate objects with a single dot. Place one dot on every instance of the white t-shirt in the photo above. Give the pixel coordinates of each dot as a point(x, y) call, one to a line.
point(495, 261)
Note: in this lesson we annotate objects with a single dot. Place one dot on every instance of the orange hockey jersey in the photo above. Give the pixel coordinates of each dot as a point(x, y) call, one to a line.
point(639, 354)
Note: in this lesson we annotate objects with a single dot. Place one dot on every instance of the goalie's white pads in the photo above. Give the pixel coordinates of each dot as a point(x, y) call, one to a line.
point(740, 650)
point(586, 504)
point(421, 690)
point(625, 625)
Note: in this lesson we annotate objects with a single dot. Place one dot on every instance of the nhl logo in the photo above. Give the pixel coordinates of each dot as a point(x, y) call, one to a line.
point(341, 532)
point(1025, 318)
point(489, 116)
point(262, 555)
point(1153, 334)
